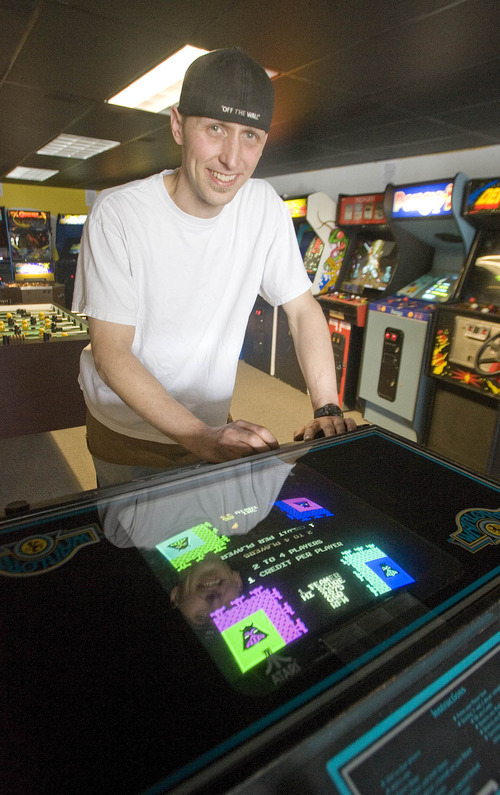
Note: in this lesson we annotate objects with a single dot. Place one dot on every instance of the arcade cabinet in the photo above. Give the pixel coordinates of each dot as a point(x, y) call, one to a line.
point(464, 359)
point(393, 385)
point(6, 272)
point(323, 247)
point(31, 251)
point(259, 345)
point(69, 230)
point(322, 250)
point(370, 269)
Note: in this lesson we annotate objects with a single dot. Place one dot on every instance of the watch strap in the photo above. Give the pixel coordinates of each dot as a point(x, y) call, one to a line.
point(329, 410)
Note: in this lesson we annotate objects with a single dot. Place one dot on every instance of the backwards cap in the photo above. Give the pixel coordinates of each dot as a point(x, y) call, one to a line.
point(228, 85)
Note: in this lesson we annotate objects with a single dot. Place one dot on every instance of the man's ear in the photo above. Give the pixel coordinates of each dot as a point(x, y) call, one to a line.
point(174, 596)
point(176, 125)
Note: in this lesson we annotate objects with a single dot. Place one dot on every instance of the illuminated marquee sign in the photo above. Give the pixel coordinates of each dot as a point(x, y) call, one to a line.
point(72, 220)
point(297, 207)
point(21, 215)
point(366, 209)
point(484, 197)
point(422, 201)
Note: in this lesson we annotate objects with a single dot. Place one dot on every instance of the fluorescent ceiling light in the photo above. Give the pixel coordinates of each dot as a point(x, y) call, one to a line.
point(160, 88)
point(31, 174)
point(76, 146)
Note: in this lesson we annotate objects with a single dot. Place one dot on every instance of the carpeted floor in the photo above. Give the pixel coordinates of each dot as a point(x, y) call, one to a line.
point(48, 466)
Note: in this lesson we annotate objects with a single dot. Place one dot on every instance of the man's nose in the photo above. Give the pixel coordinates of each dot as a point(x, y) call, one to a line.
point(230, 153)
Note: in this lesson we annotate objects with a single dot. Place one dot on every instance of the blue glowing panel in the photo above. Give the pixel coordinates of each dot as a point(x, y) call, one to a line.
point(302, 509)
point(390, 572)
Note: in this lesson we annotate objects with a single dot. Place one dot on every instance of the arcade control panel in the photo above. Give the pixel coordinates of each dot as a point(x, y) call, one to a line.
point(347, 306)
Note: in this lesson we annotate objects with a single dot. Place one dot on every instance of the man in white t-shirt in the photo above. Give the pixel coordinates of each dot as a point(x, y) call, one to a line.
point(169, 270)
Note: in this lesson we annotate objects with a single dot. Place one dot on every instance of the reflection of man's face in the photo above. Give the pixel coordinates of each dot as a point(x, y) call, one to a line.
point(206, 586)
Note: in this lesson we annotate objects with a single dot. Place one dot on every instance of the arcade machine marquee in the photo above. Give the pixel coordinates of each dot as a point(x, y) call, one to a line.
point(182, 632)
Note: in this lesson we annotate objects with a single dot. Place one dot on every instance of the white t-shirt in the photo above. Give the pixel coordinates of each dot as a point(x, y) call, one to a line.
point(187, 285)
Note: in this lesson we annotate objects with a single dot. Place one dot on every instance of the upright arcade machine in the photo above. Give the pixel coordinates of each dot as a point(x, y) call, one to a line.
point(31, 250)
point(69, 230)
point(259, 346)
point(6, 273)
point(371, 268)
point(465, 356)
point(393, 384)
point(323, 256)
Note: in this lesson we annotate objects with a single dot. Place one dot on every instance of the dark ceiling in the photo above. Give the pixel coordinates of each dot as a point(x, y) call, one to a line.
point(361, 80)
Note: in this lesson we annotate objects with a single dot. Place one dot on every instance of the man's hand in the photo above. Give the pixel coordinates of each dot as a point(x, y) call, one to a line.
point(324, 426)
point(235, 440)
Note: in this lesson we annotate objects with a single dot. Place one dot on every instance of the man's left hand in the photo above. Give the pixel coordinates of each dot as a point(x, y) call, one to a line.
point(324, 426)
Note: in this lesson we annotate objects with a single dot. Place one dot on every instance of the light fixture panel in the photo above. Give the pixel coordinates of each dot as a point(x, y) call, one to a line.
point(31, 174)
point(160, 88)
point(78, 147)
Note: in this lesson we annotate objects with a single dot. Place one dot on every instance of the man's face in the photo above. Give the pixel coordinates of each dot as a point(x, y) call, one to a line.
point(217, 159)
point(206, 587)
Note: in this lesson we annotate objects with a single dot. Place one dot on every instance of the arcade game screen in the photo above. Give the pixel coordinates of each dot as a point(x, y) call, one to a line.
point(433, 287)
point(312, 256)
point(306, 237)
point(29, 232)
point(483, 279)
point(372, 265)
point(71, 249)
point(277, 569)
point(69, 230)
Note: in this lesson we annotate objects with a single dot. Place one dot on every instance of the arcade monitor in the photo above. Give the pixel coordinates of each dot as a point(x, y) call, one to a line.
point(370, 261)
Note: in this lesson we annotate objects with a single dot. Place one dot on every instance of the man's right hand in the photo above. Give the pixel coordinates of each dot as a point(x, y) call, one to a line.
point(235, 440)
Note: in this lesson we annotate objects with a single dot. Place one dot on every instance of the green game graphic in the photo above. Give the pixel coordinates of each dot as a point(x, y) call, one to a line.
point(248, 652)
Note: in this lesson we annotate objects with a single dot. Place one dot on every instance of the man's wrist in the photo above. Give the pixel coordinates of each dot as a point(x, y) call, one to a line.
point(328, 410)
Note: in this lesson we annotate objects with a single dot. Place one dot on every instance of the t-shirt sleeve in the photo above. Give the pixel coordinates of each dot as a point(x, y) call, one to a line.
point(104, 283)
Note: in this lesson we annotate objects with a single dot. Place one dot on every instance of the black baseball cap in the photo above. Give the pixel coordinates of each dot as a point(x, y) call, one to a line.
point(228, 85)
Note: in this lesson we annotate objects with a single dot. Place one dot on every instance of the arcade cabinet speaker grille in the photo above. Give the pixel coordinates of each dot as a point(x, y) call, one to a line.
point(462, 428)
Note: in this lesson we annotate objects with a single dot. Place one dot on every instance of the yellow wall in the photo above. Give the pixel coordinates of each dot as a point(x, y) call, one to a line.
point(38, 197)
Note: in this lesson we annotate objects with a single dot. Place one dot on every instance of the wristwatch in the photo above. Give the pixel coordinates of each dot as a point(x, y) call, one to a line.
point(330, 410)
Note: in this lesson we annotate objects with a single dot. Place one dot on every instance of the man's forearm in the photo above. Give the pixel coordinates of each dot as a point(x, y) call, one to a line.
point(144, 394)
point(315, 355)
